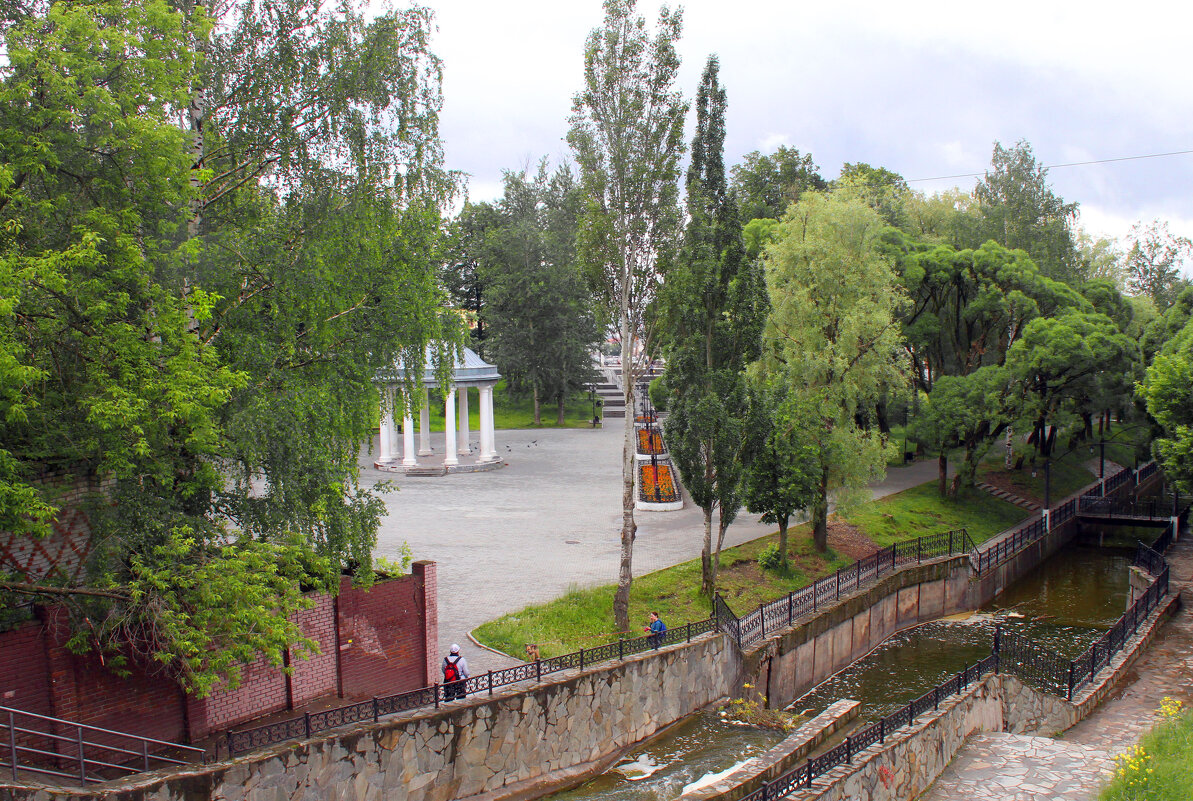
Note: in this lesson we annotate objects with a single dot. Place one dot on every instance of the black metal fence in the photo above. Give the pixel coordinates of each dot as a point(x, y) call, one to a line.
point(769, 618)
point(1047, 670)
point(53, 747)
point(375, 708)
point(876, 732)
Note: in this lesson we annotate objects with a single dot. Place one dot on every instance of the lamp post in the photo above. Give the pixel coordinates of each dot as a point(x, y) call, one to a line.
point(1047, 482)
point(1102, 458)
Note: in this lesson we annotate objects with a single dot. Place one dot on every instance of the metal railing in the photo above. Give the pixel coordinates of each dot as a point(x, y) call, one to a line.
point(1045, 669)
point(55, 747)
point(374, 709)
point(769, 618)
point(877, 732)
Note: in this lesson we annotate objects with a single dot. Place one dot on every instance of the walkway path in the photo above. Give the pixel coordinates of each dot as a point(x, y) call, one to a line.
point(547, 522)
point(1007, 767)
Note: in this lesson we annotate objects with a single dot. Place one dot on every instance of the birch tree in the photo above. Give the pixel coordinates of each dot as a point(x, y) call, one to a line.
point(627, 134)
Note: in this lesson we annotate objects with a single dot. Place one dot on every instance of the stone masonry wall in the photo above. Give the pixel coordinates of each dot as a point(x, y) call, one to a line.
point(496, 746)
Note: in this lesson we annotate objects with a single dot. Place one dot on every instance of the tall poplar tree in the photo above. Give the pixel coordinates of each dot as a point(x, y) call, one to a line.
point(713, 306)
point(627, 134)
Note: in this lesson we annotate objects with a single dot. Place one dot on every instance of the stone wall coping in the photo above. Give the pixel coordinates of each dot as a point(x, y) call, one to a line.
point(781, 757)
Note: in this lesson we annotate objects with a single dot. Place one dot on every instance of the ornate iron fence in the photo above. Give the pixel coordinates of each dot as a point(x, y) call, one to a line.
point(876, 732)
point(374, 709)
point(783, 612)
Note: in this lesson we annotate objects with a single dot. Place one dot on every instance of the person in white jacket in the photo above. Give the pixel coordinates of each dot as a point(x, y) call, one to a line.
point(455, 673)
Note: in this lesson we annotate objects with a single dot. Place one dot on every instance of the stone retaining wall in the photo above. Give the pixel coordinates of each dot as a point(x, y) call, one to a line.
point(514, 744)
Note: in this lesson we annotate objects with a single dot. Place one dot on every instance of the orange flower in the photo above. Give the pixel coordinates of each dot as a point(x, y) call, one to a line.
point(650, 441)
point(656, 484)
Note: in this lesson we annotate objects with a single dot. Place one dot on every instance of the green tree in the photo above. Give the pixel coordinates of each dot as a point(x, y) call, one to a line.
point(713, 307)
point(766, 184)
point(539, 313)
point(196, 313)
point(1165, 390)
point(461, 273)
point(782, 479)
point(627, 134)
point(882, 190)
point(1155, 262)
point(833, 336)
point(1020, 211)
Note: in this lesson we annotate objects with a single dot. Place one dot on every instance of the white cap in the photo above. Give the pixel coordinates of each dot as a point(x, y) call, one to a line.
point(455, 648)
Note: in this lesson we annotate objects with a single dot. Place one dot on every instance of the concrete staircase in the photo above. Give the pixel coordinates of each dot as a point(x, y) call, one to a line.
point(1023, 503)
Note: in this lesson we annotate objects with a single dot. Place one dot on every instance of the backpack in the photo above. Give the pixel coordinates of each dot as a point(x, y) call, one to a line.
point(451, 672)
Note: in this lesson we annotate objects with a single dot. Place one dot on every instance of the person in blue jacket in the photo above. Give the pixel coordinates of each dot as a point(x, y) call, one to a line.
point(656, 629)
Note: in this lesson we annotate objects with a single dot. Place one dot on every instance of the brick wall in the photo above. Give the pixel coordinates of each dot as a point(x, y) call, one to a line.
point(384, 646)
point(388, 650)
point(66, 549)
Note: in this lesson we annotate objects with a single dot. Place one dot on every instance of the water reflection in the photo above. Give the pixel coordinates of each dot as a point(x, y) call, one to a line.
point(1065, 603)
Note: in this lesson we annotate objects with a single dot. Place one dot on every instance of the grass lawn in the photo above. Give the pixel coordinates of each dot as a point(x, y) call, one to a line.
point(1068, 476)
point(921, 511)
point(1160, 768)
point(518, 412)
point(584, 618)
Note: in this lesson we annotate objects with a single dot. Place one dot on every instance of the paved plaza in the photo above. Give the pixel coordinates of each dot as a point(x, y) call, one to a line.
point(547, 522)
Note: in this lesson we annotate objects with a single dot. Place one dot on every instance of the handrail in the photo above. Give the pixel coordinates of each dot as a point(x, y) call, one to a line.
point(22, 741)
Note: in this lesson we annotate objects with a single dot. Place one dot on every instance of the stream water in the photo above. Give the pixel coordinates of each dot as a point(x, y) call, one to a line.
point(1067, 602)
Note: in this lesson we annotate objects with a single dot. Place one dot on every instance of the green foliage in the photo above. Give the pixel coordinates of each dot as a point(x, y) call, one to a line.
point(658, 394)
point(1155, 263)
point(627, 134)
point(541, 327)
point(712, 309)
point(398, 567)
point(1160, 767)
point(1165, 390)
point(772, 557)
point(1020, 211)
point(832, 337)
point(195, 313)
point(766, 185)
point(922, 510)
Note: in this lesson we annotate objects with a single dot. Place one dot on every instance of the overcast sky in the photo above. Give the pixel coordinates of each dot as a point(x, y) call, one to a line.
point(921, 88)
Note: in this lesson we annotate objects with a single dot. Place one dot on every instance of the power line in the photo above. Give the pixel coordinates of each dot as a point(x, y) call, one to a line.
point(1057, 166)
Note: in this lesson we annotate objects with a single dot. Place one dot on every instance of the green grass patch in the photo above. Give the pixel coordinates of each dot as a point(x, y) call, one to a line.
point(584, 618)
point(1068, 476)
point(1160, 768)
point(921, 511)
point(510, 412)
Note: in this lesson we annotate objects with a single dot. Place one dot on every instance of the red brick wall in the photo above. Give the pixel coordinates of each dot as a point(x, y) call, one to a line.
point(316, 676)
point(69, 543)
point(383, 647)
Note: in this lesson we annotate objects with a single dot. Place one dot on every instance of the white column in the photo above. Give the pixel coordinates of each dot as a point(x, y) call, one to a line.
point(384, 454)
point(424, 425)
point(449, 430)
point(464, 449)
point(393, 427)
point(488, 443)
point(408, 457)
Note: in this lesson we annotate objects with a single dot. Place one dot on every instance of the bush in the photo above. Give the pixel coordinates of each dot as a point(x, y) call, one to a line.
point(658, 396)
point(769, 557)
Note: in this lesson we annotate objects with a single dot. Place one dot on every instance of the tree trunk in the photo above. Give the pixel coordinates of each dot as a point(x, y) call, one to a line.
point(538, 418)
point(625, 576)
point(562, 408)
point(708, 579)
point(820, 518)
point(786, 566)
point(884, 425)
point(942, 463)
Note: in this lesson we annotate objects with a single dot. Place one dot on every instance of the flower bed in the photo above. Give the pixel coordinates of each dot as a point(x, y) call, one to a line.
point(646, 418)
point(650, 442)
point(656, 485)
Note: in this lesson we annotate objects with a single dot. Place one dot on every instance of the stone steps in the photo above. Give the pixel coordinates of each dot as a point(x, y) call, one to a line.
point(1023, 503)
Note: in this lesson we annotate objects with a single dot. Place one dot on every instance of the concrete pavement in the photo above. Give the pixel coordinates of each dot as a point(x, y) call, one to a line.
point(547, 522)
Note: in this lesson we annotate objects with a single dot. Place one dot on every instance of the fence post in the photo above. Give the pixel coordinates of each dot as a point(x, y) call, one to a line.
point(490, 682)
point(919, 549)
point(306, 722)
point(689, 631)
point(838, 583)
point(145, 753)
point(581, 662)
point(82, 757)
point(848, 750)
point(814, 594)
point(620, 648)
point(762, 619)
point(809, 771)
point(538, 664)
point(935, 697)
point(12, 739)
point(376, 710)
point(764, 790)
point(950, 543)
point(997, 647)
point(881, 730)
point(790, 608)
point(435, 688)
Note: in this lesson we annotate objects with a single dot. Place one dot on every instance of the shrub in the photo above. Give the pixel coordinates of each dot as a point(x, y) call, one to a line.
point(769, 557)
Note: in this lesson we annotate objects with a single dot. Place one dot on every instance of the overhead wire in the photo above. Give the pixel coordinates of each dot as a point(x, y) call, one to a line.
point(1058, 166)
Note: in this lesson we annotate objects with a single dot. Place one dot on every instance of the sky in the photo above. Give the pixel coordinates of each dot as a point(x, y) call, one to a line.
point(920, 88)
